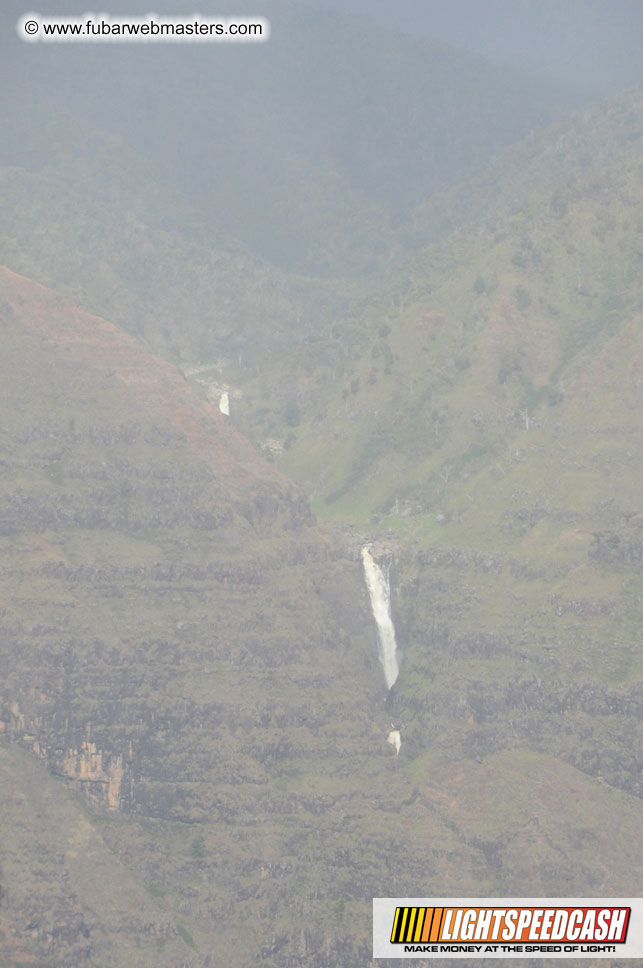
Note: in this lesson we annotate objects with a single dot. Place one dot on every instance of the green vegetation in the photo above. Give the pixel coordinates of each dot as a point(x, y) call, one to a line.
point(194, 723)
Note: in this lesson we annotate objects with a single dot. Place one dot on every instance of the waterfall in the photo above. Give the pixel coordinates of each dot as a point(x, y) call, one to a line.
point(224, 403)
point(379, 591)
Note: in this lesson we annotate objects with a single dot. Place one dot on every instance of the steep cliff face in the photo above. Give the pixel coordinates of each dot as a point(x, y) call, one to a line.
point(192, 710)
point(179, 641)
point(153, 561)
point(491, 434)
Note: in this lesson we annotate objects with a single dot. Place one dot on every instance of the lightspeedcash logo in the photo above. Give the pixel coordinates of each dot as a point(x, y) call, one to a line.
point(501, 927)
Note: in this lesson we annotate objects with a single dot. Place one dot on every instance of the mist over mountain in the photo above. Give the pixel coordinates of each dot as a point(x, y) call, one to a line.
point(591, 44)
point(307, 149)
point(269, 313)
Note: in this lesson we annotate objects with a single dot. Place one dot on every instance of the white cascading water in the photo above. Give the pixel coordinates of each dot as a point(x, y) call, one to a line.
point(379, 591)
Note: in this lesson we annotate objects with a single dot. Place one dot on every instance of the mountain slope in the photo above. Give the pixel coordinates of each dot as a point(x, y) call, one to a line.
point(491, 438)
point(172, 620)
point(191, 703)
point(497, 318)
point(192, 710)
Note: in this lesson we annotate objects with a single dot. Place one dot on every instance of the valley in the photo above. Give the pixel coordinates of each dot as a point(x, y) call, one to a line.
point(320, 513)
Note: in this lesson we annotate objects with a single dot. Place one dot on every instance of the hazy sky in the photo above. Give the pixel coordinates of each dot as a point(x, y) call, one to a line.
point(595, 43)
